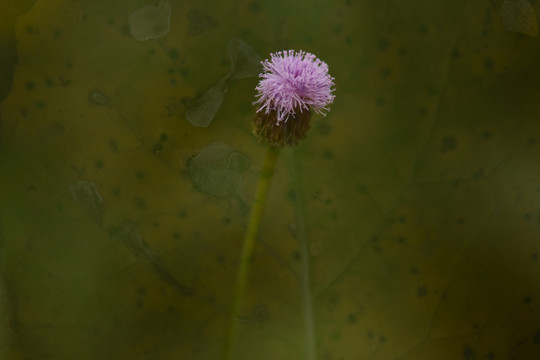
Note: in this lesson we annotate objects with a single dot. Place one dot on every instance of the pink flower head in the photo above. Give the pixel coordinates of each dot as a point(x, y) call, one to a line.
point(294, 81)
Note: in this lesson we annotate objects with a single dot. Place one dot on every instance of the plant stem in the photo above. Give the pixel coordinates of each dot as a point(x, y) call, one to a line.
point(307, 299)
point(257, 210)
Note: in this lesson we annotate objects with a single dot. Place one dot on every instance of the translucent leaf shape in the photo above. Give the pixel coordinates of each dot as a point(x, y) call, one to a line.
point(150, 22)
point(217, 170)
point(86, 194)
point(206, 106)
point(519, 16)
point(245, 62)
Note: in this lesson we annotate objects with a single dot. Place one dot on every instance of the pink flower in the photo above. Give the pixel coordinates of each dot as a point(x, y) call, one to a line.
point(293, 82)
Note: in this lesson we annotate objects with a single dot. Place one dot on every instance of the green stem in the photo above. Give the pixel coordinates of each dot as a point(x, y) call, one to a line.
point(257, 210)
point(307, 299)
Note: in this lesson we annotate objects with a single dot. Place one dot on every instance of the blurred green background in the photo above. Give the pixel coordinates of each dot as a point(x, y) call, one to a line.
point(121, 223)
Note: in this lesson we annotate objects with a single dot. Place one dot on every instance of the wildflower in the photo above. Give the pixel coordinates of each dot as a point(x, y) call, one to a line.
point(291, 86)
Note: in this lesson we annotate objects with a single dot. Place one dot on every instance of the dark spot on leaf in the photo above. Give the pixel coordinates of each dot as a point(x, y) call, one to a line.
point(536, 337)
point(336, 335)
point(527, 299)
point(63, 81)
point(176, 235)
point(126, 30)
point(488, 18)
point(328, 154)
point(448, 143)
point(402, 219)
point(401, 239)
point(385, 72)
point(99, 164)
point(527, 216)
point(220, 259)
point(362, 189)
point(254, 7)
point(380, 100)
point(486, 135)
point(370, 335)
point(383, 44)
point(296, 255)
point(433, 91)
point(30, 86)
point(422, 291)
point(382, 338)
point(323, 128)
point(140, 175)
point(157, 148)
point(113, 145)
point(348, 40)
point(40, 104)
point(531, 141)
point(291, 194)
point(456, 54)
point(140, 203)
point(174, 54)
point(352, 318)
point(403, 51)
point(163, 137)
point(31, 30)
point(478, 174)
point(468, 354)
point(488, 63)
point(490, 356)
point(199, 22)
point(334, 299)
